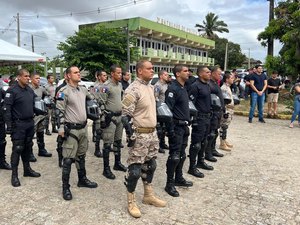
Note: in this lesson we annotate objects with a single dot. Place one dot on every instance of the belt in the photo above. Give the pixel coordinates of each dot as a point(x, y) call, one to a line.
point(181, 122)
point(76, 126)
point(145, 130)
point(116, 113)
point(204, 115)
point(24, 120)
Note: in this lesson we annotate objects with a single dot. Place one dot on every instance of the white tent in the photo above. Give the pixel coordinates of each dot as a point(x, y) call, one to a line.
point(13, 55)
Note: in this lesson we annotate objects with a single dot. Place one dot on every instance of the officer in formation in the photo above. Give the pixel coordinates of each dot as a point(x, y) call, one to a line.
point(71, 103)
point(39, 119)
point(3, 163)
point(111, 96)
point(200, 96)
point(50, 89)
point(218, 108)
point(178, 102)
point(159, 91)
point(59, 139)
point(18, 114)
point(139, 119)
point(126, 76)
point(101, 78)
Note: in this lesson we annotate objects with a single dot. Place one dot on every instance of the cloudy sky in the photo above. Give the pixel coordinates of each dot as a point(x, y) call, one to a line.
point(52, 21)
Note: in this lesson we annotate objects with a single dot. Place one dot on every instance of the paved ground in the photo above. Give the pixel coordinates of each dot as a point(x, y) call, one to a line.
point(258, 183)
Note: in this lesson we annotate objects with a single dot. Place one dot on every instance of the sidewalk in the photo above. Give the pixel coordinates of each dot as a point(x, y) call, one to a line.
point(257, 183)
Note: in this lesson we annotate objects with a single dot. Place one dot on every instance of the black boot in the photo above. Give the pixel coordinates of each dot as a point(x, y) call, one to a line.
point(66, 170)
point(207, 146)
point(3, 164)
point(106, 171)
point(203, 165)
point(179, 180)
point(28, 171)
point(47, 132)
point(54, 130)
point(171, 165)
point(118, 165)
point(98, 152)
point(194, 151)
point(83, 181)
point(41, 144)
point(214, 150)
point(59, 148)
point(15, 158)
point(31, 156)
point(94, 133)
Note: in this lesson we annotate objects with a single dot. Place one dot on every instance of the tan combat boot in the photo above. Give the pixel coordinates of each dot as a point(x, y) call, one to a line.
point(223, 146)
point(149, 197)
point(228, 144)
point(132, 207)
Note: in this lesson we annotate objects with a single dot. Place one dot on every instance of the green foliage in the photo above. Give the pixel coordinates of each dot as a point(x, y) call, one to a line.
point(211, 24)
point(97, 47)
point(235, 55)
point(12, 70)
point(274, 63)
point(286, 28)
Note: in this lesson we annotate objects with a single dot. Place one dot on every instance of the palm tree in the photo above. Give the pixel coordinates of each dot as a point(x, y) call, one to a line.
point(211, 24)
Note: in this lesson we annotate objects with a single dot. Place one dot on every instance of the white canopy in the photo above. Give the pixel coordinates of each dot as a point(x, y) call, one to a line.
point(13, 55)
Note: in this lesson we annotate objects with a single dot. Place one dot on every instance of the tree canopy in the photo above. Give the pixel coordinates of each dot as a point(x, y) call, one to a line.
point(96, 47)
point(211, 25)
point(285, 28)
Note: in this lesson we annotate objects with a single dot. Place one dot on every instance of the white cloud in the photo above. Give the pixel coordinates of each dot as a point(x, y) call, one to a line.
point(245, 19)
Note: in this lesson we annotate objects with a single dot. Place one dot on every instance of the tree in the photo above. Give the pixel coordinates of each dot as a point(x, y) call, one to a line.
point(96, 47)
point(235, 55)
point(285, 28)
point(211, 24)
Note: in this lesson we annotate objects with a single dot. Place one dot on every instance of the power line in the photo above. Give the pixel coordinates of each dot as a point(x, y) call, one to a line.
point(84, 13)
point(9, 25)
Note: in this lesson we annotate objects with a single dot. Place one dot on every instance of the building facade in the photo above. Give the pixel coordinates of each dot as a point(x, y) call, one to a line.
point(164, 44)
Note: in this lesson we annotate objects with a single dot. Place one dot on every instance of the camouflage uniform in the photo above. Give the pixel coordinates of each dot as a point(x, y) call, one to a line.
point(71, 103)
point(112, 133)
point(39, 125)
point(159, 92)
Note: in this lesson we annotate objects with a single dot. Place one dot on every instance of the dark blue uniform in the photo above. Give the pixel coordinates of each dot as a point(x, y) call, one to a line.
point(178, 101)
point(215, 120)
point(200, 95)
point(19, 113)
point(3, 163)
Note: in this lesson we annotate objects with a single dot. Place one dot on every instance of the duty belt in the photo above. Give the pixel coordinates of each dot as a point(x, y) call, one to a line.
point(204, 115)
point(117, 113)
point(145, 130)
point(181, 122)
point(76, 126)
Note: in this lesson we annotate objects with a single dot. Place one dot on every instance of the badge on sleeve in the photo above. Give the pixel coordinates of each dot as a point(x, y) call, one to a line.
point(7, 95)
point(157, 89)
point(192, 97)
point(60, 96)
point(104, 89)
point(171, 95)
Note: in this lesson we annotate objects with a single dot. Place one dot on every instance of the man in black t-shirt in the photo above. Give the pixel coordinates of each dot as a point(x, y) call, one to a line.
point(273, 94)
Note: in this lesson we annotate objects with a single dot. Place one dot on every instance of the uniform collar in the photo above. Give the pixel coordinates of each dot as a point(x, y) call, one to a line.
point(142, 81)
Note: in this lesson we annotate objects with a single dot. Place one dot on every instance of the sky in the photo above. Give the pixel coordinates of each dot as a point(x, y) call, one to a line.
point(51, 22)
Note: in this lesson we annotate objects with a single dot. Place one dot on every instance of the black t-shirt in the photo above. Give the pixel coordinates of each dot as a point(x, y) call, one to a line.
point(200, 95)
point(258, 80)
point(275, 83)
point(178, 101)
point(189, 82)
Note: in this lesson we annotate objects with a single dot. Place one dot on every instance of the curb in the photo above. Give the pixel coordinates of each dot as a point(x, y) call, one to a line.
point(279, 116)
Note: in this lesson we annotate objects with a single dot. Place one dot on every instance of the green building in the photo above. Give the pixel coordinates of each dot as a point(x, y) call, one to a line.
point(165, 44)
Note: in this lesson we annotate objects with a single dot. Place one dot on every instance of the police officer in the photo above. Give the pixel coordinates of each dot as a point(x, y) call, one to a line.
point(18, 114)
point(3, 163)
point(39, 119)
point(95, 91)
point(139, 119)
point(200, 95)
point(178, 101)
point(71, 103)
point(217, 112)
point(159, 91)
point(59, 139)
point(112, 126)
point(50, 89)
point(126, 76)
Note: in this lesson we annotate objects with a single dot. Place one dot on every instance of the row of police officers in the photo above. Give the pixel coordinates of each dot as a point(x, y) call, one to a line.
point(141, 109)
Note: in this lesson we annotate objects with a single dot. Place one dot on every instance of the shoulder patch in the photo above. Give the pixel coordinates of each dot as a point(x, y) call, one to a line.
point(7, 95)
point(128, 100)
point(103, 89)
point(156, 89)
point(171, 94)
point(60, 96)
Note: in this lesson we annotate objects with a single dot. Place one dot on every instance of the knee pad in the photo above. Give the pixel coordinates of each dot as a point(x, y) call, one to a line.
point(117, 143)
point(18, 146)
point(67, 161)
point(134, 173)
point(174, 158)
point(148, 169)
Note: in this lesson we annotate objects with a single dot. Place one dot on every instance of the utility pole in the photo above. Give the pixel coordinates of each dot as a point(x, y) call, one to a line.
point(18, 29)
point(128, 50)
point(271, 17)
point(226, 57)
point(249, 61)
point(32, 43)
